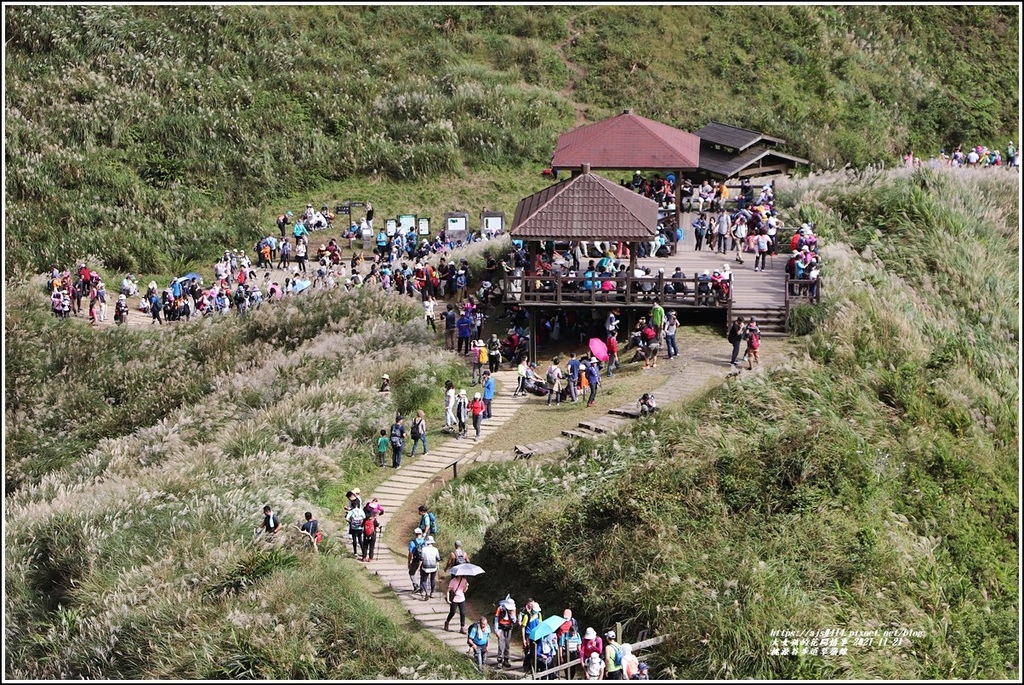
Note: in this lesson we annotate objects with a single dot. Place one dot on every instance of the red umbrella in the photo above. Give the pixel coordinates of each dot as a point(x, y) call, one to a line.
point(599, 349)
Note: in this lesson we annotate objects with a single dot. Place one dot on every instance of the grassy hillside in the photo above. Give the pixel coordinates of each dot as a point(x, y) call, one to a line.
point(133, 559)
point(870, 483)
point(151, 137)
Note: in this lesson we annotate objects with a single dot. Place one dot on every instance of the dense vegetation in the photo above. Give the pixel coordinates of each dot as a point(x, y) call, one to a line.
point(134, 559)
point(152, 137)
point(871, 482)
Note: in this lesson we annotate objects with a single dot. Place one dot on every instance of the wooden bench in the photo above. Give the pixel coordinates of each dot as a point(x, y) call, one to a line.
point(522, 452)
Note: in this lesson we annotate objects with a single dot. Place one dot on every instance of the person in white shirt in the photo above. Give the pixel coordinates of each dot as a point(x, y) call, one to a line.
point(429, 558)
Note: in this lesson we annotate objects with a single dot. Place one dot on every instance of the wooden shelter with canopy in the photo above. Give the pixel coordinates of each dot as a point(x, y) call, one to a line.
point(630, 142)
point(587, 207)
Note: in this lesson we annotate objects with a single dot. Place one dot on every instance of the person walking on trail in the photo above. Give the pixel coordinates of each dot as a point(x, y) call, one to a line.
point(478, 362)
point(383, 443)
point(429, 558)
point(494, 353)
point(735, 337)
point(613, 355)
point(752, 334)
point(504, 620)
point(370, 527)
point(521, 371)
point(592, 645)
point(418, 432)
point(449, 406)
point(573, 367)
point(355, 518)
point(450, 326)
point(415, 548)
point(593, 666)
point(671, 326)
point(476, 409)
point(478, 639)
point(458, 556)
point(488, 393)
point(464, 324)
point(456, 596)
point(461, 413)
point(530, 617)
point(569, 645)
point(593, 375)
point(428, 522)
point(397, 441)
point(612, 658)
point(630, 664)
point(553, 379)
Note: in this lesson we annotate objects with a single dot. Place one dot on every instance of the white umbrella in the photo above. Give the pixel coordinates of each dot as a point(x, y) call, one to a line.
point(466, 570)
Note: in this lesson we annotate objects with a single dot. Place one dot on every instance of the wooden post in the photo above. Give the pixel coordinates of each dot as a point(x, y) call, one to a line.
point(533, 335)
point(679, 207)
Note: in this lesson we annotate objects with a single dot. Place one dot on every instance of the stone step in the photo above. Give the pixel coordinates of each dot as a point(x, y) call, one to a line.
point(580, 433)
point(628, 413)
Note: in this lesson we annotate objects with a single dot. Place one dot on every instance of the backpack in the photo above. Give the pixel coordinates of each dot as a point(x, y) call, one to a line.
point(551, 377)
point(417, 551)
point(648, 333)
point(369, 527)
point(433, 523)
point(618, 655)
point(460, 557)
point(414, 432)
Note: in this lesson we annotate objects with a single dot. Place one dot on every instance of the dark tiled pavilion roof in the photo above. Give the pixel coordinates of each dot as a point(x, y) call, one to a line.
point(627, 141)
point(734, 136)
point(585, 207)
point(729, 164)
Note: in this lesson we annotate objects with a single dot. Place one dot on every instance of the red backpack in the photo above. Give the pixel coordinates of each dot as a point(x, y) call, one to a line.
point(369, 526)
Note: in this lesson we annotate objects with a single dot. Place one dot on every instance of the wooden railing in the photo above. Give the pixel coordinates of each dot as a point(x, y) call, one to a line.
point(628, 290)
point(802, 291)
point(635, 647)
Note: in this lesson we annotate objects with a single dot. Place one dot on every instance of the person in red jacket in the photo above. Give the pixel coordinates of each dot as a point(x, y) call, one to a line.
point(476, 409)
point(613, 355)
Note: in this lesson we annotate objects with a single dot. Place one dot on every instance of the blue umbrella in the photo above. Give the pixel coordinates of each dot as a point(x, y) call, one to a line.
point(192, 274)
point(299, 286)
point(546, 627)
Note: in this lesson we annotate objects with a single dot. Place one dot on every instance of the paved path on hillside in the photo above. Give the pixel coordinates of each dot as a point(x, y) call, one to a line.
point(390, 565)
point(689, 373)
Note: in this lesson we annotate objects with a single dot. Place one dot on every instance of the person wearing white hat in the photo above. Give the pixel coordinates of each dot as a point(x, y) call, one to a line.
point(461, 413)
point(476, 408)
point(591, 647)
point(478, 360)
point(121, 310)
point(429, 558)
point(612, 658)
point(415, 549)
point(385, 383)
point(504, 619)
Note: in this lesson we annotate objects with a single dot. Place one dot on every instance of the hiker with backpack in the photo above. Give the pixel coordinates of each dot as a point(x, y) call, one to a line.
point(457, 557)
point(418, 432)
point(504, 620)
point(752, 334)
point(397, 441)
point(429, 558)
point(478, 639)
point(612, 658)
point(553, 379)
point(428, 522)
point(370, 528)
point(415, 549)
point(355, 518)
point(530, 617)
